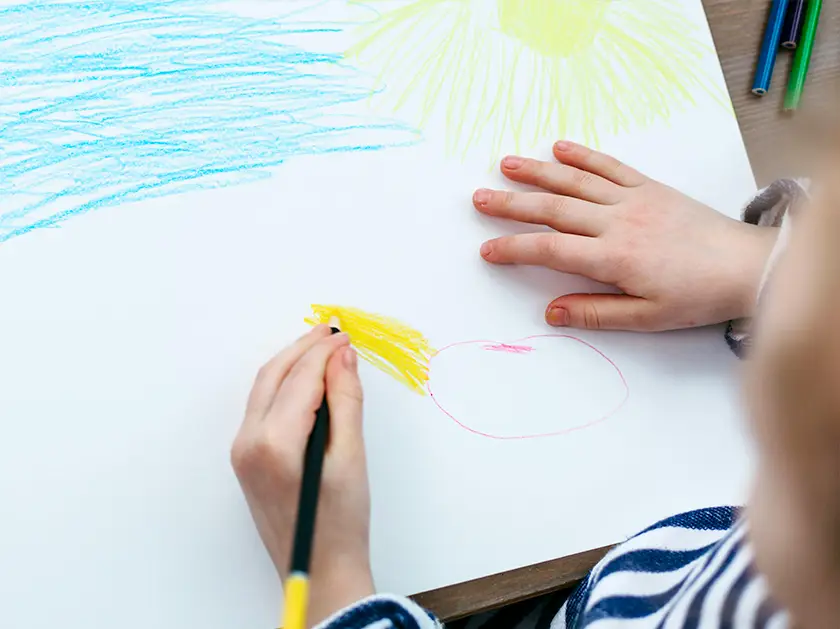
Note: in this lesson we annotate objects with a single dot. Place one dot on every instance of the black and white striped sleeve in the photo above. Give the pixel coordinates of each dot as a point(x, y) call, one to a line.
point(382, 611)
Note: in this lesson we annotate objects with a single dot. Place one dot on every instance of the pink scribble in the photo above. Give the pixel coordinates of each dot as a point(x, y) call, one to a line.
point(510, 349)
point(514, 348)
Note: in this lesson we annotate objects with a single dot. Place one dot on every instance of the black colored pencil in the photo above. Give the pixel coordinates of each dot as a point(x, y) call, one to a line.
point(793, 24)
point(297, 585)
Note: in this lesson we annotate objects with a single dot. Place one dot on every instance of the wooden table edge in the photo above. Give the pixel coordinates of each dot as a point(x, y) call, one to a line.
point(494, 591)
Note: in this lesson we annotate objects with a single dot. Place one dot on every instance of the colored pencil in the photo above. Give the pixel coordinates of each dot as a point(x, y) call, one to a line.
point(296, 599)
point(793, 25)
point(802, 60)
point(769, 47)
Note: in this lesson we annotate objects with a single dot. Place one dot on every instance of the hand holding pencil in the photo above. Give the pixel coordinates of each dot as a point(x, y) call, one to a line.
point(268, 457)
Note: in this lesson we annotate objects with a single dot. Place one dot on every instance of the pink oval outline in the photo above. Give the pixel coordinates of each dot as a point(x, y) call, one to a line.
point(541, 435)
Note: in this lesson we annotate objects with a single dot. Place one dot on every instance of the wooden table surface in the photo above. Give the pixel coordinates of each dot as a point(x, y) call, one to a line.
point(737, 26)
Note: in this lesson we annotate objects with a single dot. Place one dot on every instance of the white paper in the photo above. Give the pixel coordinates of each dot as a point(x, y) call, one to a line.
point(132, 332)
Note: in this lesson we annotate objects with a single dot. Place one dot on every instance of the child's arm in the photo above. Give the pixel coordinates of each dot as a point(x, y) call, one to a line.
point(677, 262)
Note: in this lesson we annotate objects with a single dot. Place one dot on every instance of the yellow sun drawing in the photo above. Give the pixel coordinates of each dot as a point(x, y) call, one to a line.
point(515, 71)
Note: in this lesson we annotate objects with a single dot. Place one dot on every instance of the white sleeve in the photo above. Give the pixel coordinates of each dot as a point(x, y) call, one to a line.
point(774, 206)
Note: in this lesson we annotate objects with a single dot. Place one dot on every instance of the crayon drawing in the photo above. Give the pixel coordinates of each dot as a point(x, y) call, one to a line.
point(515, 71)
point(491, 389)
point(526, 389)
point(107, 102)
point(392, 347)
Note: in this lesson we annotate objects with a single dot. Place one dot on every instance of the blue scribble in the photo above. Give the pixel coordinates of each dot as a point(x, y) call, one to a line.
point(110, 102)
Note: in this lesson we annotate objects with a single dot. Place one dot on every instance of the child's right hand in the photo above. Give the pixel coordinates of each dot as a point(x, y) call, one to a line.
point(268, 456)
point(678, 262)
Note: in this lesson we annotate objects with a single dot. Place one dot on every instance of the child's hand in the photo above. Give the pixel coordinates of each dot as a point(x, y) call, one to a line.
point(678, 262)
point(268, 457)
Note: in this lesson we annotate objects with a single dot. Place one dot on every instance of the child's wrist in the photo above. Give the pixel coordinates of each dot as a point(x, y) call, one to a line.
point(757, 245)
point(340, 587)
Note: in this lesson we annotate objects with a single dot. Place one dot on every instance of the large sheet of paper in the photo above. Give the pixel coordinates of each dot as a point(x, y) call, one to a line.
point(179, 182)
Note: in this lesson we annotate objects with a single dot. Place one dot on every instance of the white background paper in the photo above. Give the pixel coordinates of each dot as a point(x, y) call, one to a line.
point(132, 335)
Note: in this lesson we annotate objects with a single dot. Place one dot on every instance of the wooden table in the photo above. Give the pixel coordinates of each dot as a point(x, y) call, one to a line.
point(737, 26)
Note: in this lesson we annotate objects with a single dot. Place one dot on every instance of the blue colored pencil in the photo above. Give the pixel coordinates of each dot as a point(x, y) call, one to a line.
point(769, 48)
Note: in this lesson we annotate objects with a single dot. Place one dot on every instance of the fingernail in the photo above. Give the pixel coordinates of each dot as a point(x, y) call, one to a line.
point(486, 249)
point(350, 359)
point(481, 197)
point(512, 162)
point(562, 146)
point(558, 316)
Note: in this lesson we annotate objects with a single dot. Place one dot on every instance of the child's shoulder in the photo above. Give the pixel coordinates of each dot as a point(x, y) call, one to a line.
point(690, 570)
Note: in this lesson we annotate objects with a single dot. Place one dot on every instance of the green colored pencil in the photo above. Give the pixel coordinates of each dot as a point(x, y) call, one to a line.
point(802, 60)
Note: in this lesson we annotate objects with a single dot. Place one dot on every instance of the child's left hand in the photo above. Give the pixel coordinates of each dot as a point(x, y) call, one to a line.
point(678, 262)
point(268, 454)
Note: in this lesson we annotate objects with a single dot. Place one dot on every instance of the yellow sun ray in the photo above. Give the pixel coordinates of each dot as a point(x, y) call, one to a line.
point(510, 72)
point(389, 345)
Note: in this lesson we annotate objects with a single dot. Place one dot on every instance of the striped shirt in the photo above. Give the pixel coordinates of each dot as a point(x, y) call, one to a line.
point(690, 571)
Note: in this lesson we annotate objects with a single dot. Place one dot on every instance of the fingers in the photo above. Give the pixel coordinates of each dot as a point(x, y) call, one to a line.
point(606, 166)
point(271, 375)
point(344, 396)
point(293, 409)
point(604, 312)
point(561, 179)
point(564, 214)
point(561, 252)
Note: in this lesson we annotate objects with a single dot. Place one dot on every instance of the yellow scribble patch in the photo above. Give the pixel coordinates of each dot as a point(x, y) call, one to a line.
point(389, 345)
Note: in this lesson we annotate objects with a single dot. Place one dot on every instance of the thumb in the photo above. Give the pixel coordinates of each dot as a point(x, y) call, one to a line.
point(604, 312)
point(344, 396)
